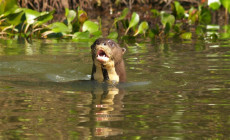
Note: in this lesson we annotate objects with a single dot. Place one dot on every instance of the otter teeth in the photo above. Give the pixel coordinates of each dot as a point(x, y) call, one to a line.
point(103, 58)
point(101, 55)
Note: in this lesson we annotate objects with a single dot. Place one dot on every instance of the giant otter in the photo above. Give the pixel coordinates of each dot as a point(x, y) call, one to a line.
point(108, 63)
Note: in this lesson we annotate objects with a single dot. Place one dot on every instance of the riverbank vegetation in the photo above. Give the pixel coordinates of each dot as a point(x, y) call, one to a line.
point(176, 22)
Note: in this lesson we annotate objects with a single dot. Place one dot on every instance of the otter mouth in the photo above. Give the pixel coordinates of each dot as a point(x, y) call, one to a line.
point(102, 56)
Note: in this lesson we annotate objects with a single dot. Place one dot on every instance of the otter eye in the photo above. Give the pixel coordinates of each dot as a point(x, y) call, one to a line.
point(104, 44)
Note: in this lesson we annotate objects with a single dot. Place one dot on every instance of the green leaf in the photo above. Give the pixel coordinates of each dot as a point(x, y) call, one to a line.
point(97, 33)
point(178, 10)
point(226, 4)
point(186, 35)
point(81, 36)
point(156, 30)
point(90, 26)
point(134, 21)
point(15, 18)
point(66, 11)
point(45, 17)
point(214, 4)
point(31, 15)
point(143, 27)
point(12, 11)
point(177, 27)
point(155, 12)
point(6, 5)
point(70, 15)
point(205, 16)
point(226, 33)
point(167, 28)
point(59, 27)
point(167, 18)
point(123, 15)
point(200, 30)
point(193, 15)
point(113, 35)
point(151, 34)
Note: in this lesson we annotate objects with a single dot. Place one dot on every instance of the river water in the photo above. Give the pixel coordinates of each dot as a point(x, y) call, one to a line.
point(176, 90)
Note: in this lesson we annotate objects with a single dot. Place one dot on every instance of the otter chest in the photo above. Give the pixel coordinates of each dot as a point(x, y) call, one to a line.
point(103, 73)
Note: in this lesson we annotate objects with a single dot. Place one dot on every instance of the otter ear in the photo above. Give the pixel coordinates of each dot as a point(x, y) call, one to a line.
point(123, 50)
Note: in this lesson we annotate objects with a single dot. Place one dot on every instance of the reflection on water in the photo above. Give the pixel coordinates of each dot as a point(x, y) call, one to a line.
point(65, 113)
point(175, 90)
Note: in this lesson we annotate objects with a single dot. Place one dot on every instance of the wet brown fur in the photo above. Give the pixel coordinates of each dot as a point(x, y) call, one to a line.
point(114, 68)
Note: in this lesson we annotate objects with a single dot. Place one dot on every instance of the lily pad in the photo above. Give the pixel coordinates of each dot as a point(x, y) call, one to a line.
point(70, 15)
point(143, 27)
point(59, 27)
point(123, 15)
point(193, 15)
point(134, 21)
point(167, 28)
point(113, 35)
point(31, 15)
point(81, 36)
point(186, 35)
point(226, 4)
point(15, 18)
point(214, 4)
point(178, 10)
point(90, 26)
point(155, 12)
point(167, 18)
point(6, 5)
point(205, 15)
point(45, 17)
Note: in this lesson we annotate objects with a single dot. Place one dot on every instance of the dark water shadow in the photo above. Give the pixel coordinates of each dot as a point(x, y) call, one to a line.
point(80, 85)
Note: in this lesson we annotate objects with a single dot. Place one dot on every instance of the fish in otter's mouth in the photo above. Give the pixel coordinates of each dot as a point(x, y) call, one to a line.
point(102, 56)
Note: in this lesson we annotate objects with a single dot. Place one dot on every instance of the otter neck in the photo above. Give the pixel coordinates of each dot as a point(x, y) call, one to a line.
point(105, 73)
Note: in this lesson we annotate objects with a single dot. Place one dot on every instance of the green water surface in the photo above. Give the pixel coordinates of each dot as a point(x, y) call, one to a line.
point(175, 90)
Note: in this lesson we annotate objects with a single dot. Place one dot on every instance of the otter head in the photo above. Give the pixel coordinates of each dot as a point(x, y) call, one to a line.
point(108, 64)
